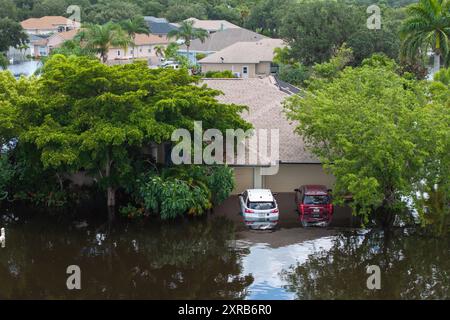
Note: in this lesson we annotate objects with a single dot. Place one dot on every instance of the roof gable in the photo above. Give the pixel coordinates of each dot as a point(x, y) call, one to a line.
point(220, 40)
point(246, 52)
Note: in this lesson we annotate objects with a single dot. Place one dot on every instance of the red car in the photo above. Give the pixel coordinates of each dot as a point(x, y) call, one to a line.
point(314, 204)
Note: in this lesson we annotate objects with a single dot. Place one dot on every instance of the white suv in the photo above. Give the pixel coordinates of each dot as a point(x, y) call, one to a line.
point(259, 209)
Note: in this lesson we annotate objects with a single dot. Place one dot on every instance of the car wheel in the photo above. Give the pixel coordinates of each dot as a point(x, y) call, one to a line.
point(305, 224)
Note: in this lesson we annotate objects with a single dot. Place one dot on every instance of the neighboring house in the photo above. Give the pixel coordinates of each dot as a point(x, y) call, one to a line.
point(29, 49)
point(212, 25)
point(57, 39)
point(245, 59)
point(297, 165)
point(220, 40)
point(144, 48)
point(48, 25)
point(159, 26)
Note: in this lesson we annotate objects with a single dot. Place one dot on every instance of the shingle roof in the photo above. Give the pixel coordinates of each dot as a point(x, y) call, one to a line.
point(159, 25)
point(246, 52)
point(264, 101)
point(222, 39)
point(47, 23)
point(212, 25)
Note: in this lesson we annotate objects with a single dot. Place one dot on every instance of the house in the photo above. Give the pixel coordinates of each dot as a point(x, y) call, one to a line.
point(57, 39)
point(297, 166)
point(159, 26)
point(212, 25)
point(48, 25)
point(144, 48)
point(245, 59)
point(220, 40)
point(36, 46)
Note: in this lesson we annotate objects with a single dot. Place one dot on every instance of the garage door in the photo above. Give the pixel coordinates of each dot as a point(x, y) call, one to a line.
point(244, 179)
point(291, 176)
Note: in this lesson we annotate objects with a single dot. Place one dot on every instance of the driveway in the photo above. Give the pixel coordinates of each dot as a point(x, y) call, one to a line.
point(290, 230)
point(288, 216)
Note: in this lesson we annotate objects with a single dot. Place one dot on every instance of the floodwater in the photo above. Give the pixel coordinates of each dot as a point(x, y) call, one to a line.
point(212, 258)
point(26, 68)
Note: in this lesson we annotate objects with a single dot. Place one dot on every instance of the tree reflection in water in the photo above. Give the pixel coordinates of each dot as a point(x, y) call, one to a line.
point(159, 261)
point(412, 267)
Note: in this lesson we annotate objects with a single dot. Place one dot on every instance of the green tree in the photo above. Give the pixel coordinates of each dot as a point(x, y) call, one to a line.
point(266, 16)
point(9, 9)
point(178, 11)
point(105, 11)
point(365, 126)
point(441, 85)
point(11, 35)
point(187, 33)
point(314, 30)
point(100, 38)
point(98, 118)
point(43, 8)
point(427, 28)
point(73, 47)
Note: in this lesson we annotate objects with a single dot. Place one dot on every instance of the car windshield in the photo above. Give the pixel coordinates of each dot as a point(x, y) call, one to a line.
point(316, 200)
point(261, 205)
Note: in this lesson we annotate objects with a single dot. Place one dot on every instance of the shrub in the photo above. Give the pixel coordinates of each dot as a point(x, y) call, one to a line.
point(220, 74)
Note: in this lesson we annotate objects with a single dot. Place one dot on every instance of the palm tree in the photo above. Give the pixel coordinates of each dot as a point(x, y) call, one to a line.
point(135, 26)
point(100, 38)
point(187, 33)
point(427, 28)
point(159, 51)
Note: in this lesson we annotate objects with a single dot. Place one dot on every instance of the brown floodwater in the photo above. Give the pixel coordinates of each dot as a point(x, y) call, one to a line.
point(213, 258)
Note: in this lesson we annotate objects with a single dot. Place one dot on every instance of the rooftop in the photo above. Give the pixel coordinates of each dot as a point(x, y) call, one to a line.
point(159, 25)
point(212, 25)
point(222, 39)
point(143, 39)
point(264, 101)
point(246, 52)
point(48, 23)
point(66, 35)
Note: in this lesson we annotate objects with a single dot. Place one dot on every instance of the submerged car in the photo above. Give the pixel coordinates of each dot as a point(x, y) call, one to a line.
point(314, 205)
point(259, 209)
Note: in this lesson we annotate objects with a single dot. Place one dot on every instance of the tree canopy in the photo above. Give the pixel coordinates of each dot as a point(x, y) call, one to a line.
point(371, 128)
point(85, 116)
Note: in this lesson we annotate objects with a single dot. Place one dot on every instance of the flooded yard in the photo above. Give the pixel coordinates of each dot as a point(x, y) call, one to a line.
point(213, 258)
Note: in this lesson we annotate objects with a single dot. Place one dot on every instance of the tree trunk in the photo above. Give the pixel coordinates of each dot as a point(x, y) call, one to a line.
point(437, 63)
point(187, 50)
point(111, 193)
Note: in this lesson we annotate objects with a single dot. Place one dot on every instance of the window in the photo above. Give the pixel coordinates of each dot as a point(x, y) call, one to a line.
point(316, 200)
point(261, 205)
point(118, 53)
point(132, 51)
point(42, 51)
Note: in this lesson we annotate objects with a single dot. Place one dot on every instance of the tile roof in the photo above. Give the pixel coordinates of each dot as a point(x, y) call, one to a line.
point(264, 101)
point(246, 52)
point(144, 39)
point(66, 35)
point(47, 23)
point(222, 39)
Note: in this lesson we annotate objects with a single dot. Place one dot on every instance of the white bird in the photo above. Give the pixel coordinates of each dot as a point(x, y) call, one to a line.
point(2, 237)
